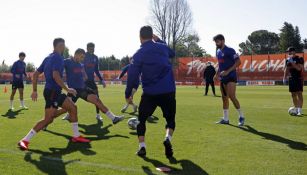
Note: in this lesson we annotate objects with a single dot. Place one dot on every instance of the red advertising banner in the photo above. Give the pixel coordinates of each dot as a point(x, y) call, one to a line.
point(254, 67)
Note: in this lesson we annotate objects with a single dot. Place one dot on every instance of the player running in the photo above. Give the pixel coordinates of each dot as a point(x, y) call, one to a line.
point(152, 62)
point(295, 66)
point(52, 67)
point(19, 72)
point(228, 62)
point(91, 68)
point(75, 79)
point(122, 74)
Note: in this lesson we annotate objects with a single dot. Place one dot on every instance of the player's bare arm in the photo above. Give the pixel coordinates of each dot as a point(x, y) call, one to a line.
point(34, 85)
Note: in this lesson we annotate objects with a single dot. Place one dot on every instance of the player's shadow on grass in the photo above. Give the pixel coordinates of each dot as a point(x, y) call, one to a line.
point(12, 114)
point(52, 162)
point(291, 143)
point(49, 165)
point(187, 167)
point(100, 132)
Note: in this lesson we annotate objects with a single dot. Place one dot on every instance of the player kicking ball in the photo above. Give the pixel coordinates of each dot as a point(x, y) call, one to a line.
point(75, 79)
point(52, 67)
point(122, 74)
point(228, 62)
point(152, 62)
point(295, 67)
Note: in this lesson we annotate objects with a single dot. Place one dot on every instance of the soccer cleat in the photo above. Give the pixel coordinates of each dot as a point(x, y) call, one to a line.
point(141, 152)
point(80, 139)
point(241, 121)
point(124, 108)
point(12, 108)
point(23, 145)
point(66, 117)
point(24, 107)
point(99, 118)
point(135, 108)
point(168, 148)
point(222, 121)
point(118, 119)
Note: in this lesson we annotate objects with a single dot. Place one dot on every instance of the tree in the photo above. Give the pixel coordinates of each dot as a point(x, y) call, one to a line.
point(305, 43)
point(30, 67)
point(109, 63)
point(66, 53)
point(4, 68)
point(125, 61)
point(172, 19)
point(260, 42)
point(189, 47)
point(290, 36)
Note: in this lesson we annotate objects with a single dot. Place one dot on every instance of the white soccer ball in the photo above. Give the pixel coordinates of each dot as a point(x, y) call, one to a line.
point(292, 111)
point(133, 123)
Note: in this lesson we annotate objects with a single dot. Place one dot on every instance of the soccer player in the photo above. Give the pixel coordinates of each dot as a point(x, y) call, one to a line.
point(122, 74)
point(228, 61)
point(209, 73)
point(76, 75)
point(152, 62)
point(91, 68)
point(295, 66)
point(52, 67)
point(19, 72)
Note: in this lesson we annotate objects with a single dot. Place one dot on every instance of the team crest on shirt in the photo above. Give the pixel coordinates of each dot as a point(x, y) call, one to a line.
point(55, 104)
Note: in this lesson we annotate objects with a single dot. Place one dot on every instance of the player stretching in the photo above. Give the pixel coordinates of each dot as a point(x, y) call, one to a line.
point(228, 62)
point(52, 67)
point(19, 71)
point(152, 62)
point(91, 67)
point(295, 66)
point(135, 107)
point(75, 79)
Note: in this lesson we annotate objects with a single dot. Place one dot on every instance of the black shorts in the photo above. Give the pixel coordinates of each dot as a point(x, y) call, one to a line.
point(81, 93)
point(54, 98)
point(167, 103)
point(91, 84)
point(17, 85)
point(296, 84)
point(225, 81)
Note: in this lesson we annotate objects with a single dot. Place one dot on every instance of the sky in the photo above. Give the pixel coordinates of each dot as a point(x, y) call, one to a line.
point(113, 25)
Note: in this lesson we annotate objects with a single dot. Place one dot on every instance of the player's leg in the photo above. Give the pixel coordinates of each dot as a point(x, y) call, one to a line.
point(213, 88)
point(207, 88)
point(167, 103)
point(92, 98)
point(146, 108)
point(48, 118)
point(22, 103)
point(231, 91)
point(67, 104)
point(225, 99)
point(12, 97)
point(300, 102)
point(295, 99)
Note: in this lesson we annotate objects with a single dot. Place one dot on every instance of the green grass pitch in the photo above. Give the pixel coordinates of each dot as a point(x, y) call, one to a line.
point(272, 142)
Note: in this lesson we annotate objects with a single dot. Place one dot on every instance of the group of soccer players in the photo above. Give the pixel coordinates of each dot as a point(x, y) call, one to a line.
point(151, 65)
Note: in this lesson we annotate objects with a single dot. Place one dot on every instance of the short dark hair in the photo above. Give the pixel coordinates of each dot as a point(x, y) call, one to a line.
point(80, 51)
point(22, 54)
point(90, 45)
point(146, 32)
point(290, 49)
point(56, 41)
point(219, 37)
